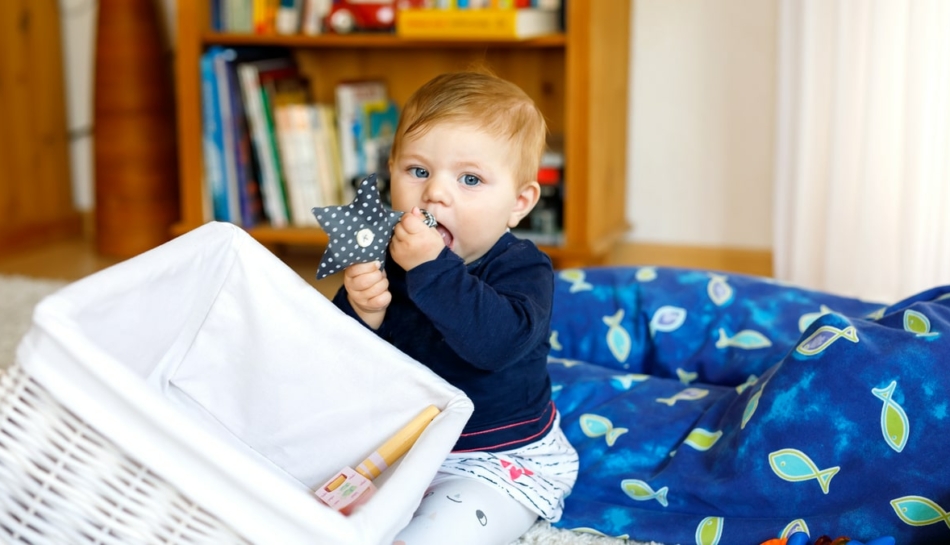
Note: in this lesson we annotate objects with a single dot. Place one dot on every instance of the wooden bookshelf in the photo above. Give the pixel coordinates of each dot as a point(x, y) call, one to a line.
point(578, 78)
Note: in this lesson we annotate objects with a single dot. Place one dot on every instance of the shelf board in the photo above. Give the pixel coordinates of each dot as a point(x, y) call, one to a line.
point(372, 40)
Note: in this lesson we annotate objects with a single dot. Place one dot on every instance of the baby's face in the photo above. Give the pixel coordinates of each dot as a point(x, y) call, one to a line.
point(465, 177)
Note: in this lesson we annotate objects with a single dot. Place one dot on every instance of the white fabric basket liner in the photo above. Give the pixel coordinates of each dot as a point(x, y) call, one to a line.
point(218, 368)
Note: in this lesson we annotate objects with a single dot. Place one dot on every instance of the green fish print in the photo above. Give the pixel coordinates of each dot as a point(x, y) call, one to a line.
point(919, 511)
point(748, 382)
point(823, 337)
point(577, 279)
point(809, 318)
point(618, 340)
point(666, 319)
point(641, 491)
point(916, 322)
point(709, 531)
point(689, 394)
point(686, 376)
point(877, 314)
point(624, 382)
point(894, 423)
point(594, 425)
point(794, 465)
point(797, 525)
point(555, 343)
point(718, 289)
point(701, 439)
point(746, 339)
point(750, 407)
point(646, 274)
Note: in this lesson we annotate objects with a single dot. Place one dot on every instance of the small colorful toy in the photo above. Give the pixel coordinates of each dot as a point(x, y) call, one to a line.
point(346, 16)
point(350, 488)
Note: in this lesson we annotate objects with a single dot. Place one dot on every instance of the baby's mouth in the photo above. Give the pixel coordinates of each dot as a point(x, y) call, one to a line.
point(446, 236)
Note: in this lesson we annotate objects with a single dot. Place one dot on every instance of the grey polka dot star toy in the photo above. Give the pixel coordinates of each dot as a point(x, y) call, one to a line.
point(359, 232)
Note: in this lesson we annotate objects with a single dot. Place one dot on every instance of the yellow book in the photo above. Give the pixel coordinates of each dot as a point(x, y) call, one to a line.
point(476, 24)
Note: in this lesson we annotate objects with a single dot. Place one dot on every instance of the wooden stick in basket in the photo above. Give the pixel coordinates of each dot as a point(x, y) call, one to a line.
point(350, 488)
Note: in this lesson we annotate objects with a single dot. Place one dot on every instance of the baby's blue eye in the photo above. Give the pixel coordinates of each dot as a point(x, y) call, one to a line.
point(419, 172)
point(470, 180)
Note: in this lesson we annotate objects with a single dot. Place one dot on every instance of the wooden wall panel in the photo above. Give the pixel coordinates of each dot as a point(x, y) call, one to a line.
point(36, 203)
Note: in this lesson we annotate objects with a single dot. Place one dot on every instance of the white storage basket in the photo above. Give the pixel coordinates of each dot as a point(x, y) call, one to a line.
point(196, 394)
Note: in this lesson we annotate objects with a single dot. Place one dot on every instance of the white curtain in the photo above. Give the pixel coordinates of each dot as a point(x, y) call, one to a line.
point(862, 175)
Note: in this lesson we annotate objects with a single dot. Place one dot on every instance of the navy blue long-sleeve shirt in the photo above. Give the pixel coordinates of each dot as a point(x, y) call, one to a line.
point(484, 328)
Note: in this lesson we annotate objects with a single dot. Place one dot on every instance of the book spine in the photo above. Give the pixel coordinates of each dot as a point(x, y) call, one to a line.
point(270, 188)
point(212, 136)
point(271, 143)
point(229, 147)
point(295, 138)
point(337, 181)
point(249, 196)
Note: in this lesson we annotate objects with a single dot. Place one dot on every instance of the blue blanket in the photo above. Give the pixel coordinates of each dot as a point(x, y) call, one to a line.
point(711, 408)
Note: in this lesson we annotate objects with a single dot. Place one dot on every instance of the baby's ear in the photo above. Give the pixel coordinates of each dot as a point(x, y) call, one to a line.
point(527, 197)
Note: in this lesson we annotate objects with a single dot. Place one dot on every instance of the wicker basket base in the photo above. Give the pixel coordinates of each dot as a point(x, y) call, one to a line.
point(63, 482)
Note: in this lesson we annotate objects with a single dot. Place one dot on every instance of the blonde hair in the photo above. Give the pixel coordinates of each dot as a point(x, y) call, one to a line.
point(496, 106)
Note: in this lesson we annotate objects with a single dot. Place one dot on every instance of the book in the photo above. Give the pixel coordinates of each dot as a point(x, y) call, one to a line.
point(297, 147)
point(380, 119)
point(350, 98)
point(327, 145)
point(260, 123)
point(212, 137)
point(221, 59)
point(239, 163)
point(477, 24)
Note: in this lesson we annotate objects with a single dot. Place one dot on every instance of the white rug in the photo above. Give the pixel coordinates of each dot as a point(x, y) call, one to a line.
point(18, 296)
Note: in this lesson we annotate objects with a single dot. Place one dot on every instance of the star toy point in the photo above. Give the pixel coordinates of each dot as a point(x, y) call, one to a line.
point(359, 232)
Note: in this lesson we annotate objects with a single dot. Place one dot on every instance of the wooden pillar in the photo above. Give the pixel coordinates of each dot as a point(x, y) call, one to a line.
point(136, 166)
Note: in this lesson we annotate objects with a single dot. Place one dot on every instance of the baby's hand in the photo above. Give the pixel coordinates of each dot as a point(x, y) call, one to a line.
point(414, 242)
point(367, 289)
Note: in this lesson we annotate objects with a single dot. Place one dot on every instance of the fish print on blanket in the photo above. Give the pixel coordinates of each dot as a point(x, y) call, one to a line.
point(823, 337)
point(577, 279)
point(641, 491)
point(747, 339)
point(919, 511)
point(645, 274)
point(809, 318)
point(594, 425)
point(709, 531)
point(797, 525)
point(689, 394)
point(751, 406)
point(749, 382)
point(917, 322)
point(618, 340)
point(666, 319)
point(828, 392)
point(894, 423)
point(702, 439)
point(686, 376)
point(624, 382)
point(794, 465)
point(719, 290)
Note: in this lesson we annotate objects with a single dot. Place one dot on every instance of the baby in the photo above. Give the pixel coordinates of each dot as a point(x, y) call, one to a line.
point(473, 303)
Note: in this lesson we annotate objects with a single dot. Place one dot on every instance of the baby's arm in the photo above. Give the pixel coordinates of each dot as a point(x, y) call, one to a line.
point(367, 290)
